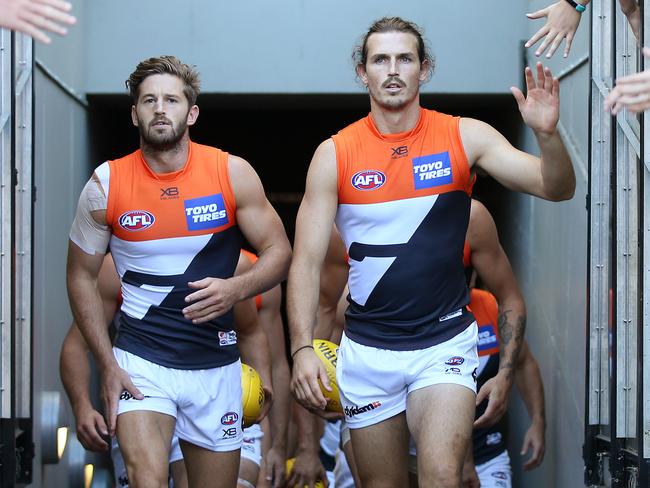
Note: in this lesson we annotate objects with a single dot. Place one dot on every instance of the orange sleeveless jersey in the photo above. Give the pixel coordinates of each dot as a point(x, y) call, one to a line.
point(253, 258)
point(404, 202)
point(168, 230)
point(484, 307)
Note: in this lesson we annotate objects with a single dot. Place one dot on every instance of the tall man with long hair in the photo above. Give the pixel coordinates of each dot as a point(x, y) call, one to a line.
point(398, 184)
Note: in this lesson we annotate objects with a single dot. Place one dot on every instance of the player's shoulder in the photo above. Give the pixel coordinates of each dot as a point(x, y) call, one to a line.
point(238, 162)
point(327, 148)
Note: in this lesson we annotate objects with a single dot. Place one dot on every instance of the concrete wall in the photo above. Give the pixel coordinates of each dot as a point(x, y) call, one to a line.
point(297, 46)
point(61, 168)
point(547, 243)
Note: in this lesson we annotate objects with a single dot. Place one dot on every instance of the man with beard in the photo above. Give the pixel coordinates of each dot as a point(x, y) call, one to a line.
point(398, 184)
point(173, 213)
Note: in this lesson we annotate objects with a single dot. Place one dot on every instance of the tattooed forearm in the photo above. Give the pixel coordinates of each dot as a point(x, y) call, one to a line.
point(511, 337)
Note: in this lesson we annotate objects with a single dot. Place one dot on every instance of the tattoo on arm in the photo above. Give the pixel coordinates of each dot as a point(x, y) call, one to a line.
point(508, 333)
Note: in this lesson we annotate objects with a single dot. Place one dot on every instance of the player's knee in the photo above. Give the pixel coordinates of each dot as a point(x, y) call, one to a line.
point(145, 472)
point(440, 476)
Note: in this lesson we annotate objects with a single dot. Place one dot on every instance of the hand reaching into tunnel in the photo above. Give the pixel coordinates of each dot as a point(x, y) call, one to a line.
point(631, 92)
point(34, 17)
point(562, 22)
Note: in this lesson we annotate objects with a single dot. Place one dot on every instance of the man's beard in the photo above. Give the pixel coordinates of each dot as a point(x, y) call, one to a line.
point(388, 102)
point(161, 142)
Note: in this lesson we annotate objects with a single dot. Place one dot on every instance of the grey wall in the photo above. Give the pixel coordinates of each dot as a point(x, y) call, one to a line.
point(298, 46)
point(548, 248)
point(61, 168)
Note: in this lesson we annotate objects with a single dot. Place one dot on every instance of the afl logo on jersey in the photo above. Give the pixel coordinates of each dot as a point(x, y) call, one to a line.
point(455, 361)
point(134, 220)
point(229, 418)
point(368, 179)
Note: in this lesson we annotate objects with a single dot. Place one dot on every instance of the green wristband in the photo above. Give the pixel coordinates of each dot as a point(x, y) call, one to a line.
point(576, 5)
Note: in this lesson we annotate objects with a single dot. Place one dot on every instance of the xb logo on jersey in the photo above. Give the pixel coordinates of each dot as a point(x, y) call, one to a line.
point(399, 152)
point(368, 179)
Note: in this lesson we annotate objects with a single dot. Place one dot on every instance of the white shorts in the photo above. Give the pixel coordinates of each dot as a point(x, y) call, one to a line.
point(375, 383)
point(251, 448)
point(119, 468)
point(496, 473)
point(205, 402)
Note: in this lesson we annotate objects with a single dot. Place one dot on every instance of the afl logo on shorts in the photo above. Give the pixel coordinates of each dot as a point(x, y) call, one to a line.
point(368, 179)
point(229, 418)
point(136, 220)
point(455, 361)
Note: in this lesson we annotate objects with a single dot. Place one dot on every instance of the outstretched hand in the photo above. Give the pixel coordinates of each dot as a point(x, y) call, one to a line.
point(631, 92)
point(33, 17)
point(540, 107)
point(562, 22)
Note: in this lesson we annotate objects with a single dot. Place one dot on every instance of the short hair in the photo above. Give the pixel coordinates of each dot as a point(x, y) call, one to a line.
point(165, 65)
point(394, 24)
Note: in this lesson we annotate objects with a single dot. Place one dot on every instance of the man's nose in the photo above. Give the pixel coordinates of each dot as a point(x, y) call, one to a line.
point(393, 70)
point(160, 106)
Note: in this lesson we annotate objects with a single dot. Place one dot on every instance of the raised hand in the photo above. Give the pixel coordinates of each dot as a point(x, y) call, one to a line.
point(33, 17)
point(562, 22)
point(540, 108)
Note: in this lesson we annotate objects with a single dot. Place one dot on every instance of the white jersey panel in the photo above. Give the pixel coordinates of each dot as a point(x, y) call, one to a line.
point(137, 300)
point(173, 255)
point(383, 223)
